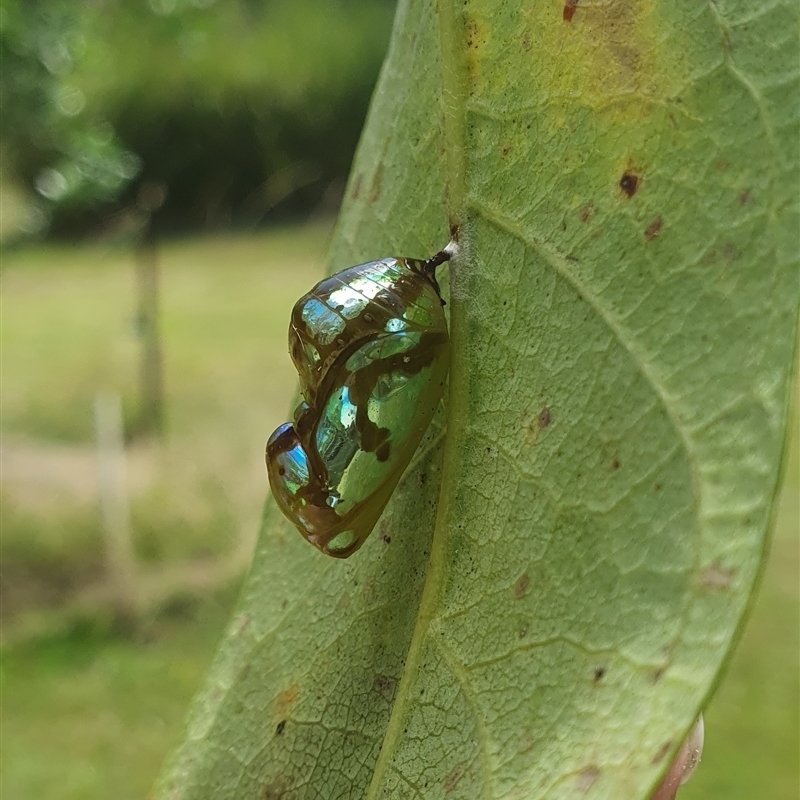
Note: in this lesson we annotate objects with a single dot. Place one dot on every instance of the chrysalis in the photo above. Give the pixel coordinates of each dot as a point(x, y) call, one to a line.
point(371, 347)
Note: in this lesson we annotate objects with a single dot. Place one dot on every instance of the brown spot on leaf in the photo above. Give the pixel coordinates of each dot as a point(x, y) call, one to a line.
point(717, 577)
point(421, 479)
point(544, 418)
point(730, 252)
point(709, 258)
point(455, 229)
point(521, 586)
point(626, 56)
point(375, 188)
point(285, 700)
point(356, 190)
point(587, 778)
point(653, 229)
point(477, 32)
point(615, 465)
point(744, 197)
point(621, 60)
point(661, 753)
point(587, 212)
point(384, 685)
point(629, 183)
point(507, 149)
point(526, 43)
point(454, 776)
point(569, 10)
point(599, 674)
point(658, 674)
point(280, 727)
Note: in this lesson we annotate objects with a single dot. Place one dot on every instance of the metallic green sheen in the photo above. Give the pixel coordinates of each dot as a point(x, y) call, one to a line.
point(372, 351)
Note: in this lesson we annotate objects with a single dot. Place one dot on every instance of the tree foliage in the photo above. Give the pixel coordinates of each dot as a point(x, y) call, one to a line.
point(236, 110)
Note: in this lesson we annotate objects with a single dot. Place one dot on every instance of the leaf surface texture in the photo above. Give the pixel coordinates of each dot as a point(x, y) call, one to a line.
point(558, 580)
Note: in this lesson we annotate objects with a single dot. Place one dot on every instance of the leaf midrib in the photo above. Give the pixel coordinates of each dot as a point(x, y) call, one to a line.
point(454, 112)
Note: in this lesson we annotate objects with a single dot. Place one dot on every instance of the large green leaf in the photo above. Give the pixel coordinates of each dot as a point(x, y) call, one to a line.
point(560, 576)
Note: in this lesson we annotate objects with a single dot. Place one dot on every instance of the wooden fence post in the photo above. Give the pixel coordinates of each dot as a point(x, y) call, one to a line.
point(151, 380)
point(113, 491)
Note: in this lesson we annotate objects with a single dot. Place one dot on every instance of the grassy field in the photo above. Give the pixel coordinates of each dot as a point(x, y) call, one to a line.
point(89, 710)
point(69, 332)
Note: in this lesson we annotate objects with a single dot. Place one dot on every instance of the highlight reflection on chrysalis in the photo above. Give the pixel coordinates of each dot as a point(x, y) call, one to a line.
point(371, 347)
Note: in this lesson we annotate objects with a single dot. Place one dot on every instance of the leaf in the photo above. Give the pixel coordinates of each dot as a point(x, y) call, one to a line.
point(556, 584)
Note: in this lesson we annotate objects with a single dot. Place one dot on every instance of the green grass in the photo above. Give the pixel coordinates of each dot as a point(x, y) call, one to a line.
point(69, 330)
point(68, 333)
point(92, 713)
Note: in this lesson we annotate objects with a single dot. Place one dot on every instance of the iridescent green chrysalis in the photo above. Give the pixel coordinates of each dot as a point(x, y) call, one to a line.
point(371, 347)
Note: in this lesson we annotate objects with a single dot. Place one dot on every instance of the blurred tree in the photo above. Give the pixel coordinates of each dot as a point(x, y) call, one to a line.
point(72, 159)
point(242, 110)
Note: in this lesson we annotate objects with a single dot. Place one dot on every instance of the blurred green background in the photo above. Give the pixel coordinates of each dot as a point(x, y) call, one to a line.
point(239, 112)
point(206, 143)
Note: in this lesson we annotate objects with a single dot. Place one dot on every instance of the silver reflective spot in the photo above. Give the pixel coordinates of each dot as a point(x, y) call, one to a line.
point(323, 323)
point(349, 302)
point(369, 288)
